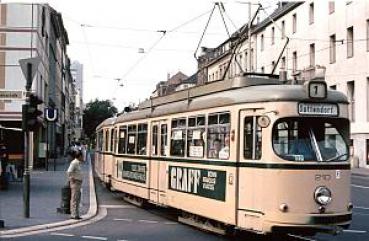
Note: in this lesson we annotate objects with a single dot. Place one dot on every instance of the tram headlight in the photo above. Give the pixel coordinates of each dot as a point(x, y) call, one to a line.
point(323, 195)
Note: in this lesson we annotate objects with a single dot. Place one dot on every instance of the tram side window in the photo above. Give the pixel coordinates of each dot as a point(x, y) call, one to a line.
point(154, 141)
point(164, 140)
point(115, 140)
point(111, 139)
point(252, 138)
point(106, 139)
point(178, 137)
point(99, 140)
point(122, 140)
point(141, 139)
point(218, 136)
point(195, 136)
point(131, 144)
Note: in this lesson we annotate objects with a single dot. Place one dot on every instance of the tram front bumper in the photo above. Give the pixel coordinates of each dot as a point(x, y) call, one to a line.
point(321, 222)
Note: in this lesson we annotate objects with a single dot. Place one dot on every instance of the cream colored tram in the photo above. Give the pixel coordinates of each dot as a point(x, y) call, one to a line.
point(248, 153)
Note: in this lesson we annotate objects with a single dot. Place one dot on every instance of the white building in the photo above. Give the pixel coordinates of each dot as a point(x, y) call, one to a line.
point(77, 75)
point(31, 30)
point(334, 35)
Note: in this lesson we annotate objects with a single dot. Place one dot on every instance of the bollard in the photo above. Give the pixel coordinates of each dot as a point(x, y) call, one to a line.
point(65, 200)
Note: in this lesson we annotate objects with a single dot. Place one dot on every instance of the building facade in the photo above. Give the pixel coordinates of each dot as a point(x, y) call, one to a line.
point(36, 30)
point(329, 35)
point(77, 75)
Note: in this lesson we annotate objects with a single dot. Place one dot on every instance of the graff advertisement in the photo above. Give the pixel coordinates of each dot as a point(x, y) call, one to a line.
point(134, 171)
point(201, 182)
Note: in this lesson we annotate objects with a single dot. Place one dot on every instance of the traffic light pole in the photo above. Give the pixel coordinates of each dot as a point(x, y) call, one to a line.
point(26, 174)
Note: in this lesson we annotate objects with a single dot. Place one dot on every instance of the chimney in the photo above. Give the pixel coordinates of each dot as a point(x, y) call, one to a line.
point(168, 76)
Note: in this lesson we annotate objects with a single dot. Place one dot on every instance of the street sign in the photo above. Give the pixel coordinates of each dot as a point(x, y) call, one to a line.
point(51, 114)
point(12, 95)
point(33, 62)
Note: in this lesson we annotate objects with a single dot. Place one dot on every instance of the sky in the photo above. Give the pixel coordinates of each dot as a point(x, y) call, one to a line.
point(124, 50)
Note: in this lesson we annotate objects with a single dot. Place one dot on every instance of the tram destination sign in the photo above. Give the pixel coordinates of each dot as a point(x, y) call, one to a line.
point(12, 95)
point(201, 182)
point(318, 109)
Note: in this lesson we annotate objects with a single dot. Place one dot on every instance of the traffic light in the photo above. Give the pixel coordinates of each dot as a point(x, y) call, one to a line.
point(30, 113)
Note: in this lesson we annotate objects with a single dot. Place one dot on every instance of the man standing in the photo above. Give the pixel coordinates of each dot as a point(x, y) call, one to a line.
point(75, 182)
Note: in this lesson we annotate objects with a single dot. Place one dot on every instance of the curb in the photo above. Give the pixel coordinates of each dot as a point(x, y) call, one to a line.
point(92, 212)
point(360, 174)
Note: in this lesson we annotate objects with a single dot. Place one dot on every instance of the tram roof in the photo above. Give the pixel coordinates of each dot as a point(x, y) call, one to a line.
point(107, 122)
point(225, 93)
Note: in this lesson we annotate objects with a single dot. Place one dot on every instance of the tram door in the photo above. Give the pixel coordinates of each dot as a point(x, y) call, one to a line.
point(159, 141)
point(250, 143)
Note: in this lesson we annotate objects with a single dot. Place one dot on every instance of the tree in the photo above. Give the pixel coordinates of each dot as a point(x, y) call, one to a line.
point(96, 112)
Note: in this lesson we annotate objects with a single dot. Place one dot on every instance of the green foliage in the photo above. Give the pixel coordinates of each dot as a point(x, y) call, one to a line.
point(96, 112)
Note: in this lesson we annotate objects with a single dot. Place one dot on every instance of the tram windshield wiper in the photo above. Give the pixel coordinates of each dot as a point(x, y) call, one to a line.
point(336, 157)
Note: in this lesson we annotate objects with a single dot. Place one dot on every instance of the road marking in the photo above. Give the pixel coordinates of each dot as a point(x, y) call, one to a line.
point(95, 237)
point(361, 214)
point(63, 234)
point(147, 221)
point(358, 207)
point(170, 223)
point(358, 186)
point(301, 237)
point(354, 231)
point(117, 206)
point(123, 219)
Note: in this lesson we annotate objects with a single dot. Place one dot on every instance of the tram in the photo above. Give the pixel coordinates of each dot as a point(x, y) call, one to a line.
point(248, 153)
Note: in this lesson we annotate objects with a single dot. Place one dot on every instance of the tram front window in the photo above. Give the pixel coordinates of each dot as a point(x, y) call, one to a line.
point(311, 139)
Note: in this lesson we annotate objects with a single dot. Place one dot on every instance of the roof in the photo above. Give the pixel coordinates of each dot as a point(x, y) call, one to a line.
point(250, 92)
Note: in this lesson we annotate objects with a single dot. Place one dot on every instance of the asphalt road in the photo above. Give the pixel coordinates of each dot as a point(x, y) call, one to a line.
point(125, 222)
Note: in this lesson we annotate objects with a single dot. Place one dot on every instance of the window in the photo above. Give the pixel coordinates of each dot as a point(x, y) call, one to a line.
point(252, 139)
point(311, 139)
point(294, 61)
point(218, 136)
point(195, 136)
point(178, 138)
point(106, 139)
point(367, 98)
point(154, 141)
point(283, 63)
point(332, 49)
point(273, 33)
point(99, 140)
point(262, 42)
point(111, 140)
point(283, 26)
point(294, 23)
point(131, 143)
point(367, 35)
point(246, 61)
point(312, 54)
point(122, 139)
point(252, 60)
point(351, 99)
point(333, 87)
point(115, 140)
point(141, 139)
point(331, 7)
point(164, 140)
point(350, 42)
point(367, 152)
point(311, 13)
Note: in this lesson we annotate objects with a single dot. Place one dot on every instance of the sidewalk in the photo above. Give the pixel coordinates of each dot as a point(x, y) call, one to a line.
point(45, 198)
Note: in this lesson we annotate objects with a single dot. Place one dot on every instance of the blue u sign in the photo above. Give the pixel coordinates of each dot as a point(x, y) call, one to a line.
point(51, 114)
